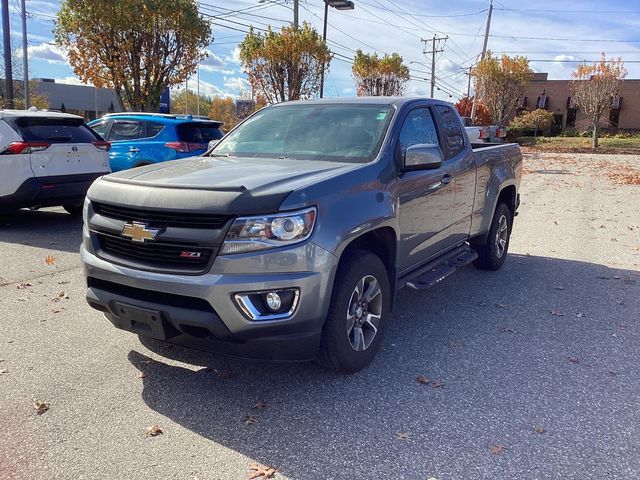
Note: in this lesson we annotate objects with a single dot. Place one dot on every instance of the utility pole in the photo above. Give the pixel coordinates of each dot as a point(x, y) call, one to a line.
point(25, 58)
point(295, 14)
point(435, 43)
point(6, 45)
point(198, 89)
point(468, 74)
point(484, 52)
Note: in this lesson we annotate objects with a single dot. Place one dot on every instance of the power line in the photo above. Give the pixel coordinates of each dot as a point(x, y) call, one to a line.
point(427, 16)
point(566, 11)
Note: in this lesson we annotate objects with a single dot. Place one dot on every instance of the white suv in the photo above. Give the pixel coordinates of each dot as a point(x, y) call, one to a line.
point(47, 159)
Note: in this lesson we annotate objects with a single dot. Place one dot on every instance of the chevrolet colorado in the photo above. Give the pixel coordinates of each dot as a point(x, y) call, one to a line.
point(289, 239)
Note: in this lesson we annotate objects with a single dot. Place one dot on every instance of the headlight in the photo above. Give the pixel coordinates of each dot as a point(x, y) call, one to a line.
point(248, 234)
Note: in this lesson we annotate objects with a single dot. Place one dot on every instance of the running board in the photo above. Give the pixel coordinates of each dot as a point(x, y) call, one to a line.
point(439, 271)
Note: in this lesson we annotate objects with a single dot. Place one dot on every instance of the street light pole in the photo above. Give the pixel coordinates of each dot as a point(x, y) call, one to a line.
point(25, 58)
point(338, 5)
point(6, 43)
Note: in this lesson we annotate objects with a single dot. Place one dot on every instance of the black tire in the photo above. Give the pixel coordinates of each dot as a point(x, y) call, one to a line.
point(490, 255)
point(337, 351)
point(74, 208)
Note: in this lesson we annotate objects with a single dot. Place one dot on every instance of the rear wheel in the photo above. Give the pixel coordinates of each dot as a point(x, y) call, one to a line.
point(74, 208)
point(493, 253)
point(360, 302)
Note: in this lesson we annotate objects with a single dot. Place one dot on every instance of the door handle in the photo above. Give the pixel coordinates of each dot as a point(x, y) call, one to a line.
point(134, 149)
point(446, 179)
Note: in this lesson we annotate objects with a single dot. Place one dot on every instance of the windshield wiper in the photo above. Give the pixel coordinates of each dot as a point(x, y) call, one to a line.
point(220, 155)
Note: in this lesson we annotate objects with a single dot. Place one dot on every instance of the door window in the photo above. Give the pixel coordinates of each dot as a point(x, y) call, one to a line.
point(452, 129)
point(126, 130)
point(101, 128)
point(418, 128)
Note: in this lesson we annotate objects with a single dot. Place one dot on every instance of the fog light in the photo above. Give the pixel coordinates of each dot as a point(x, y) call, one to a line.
point(273, 301)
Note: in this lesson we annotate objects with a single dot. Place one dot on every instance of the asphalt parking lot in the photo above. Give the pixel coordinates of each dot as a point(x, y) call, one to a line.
point(533, 369)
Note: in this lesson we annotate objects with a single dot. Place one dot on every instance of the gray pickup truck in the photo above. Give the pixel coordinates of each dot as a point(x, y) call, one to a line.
point(289, 239)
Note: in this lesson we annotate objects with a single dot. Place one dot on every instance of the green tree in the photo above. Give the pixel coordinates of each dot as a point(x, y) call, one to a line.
point(137, 47)
point(186, 102)
point(535, 120)
point(377, 76)
point(594, 85)
point(284, 65)
point(499, 82)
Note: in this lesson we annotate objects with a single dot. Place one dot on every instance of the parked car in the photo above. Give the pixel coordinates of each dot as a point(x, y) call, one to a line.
point(48, 159)
point(139, 139)
point(291, 238)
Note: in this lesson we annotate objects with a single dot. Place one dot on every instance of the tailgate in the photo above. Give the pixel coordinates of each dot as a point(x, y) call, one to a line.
point(69, 159)
point(62, 145)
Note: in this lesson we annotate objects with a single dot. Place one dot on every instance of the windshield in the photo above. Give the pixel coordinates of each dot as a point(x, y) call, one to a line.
point(342, 133)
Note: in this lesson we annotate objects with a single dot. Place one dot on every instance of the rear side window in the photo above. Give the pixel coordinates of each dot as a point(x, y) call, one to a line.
point(126, 130)
point(198, 132)
point(154, 128)
point(55, 130)
point(100, 128)
point(452, 129)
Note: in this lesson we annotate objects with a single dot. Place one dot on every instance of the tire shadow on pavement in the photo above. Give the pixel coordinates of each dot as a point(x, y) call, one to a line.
point(544, 342)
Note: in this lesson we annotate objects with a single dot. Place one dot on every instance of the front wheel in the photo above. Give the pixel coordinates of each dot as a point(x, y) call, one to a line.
point(493, 253)
point(360, 303)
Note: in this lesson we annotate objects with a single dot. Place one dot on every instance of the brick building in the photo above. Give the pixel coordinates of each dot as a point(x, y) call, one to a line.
point(555, 96)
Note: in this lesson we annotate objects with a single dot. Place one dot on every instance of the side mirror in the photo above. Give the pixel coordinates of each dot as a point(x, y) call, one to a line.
point(423, 156)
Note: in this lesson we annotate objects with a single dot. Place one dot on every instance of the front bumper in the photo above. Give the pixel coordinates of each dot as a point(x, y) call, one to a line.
point(199, 311)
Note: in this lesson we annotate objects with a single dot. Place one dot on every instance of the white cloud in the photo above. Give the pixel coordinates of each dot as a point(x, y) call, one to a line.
point(564, 58)
point(234, 56)
point(47, 52)
point(236, 84)
point(72, 81)
point(212, 63)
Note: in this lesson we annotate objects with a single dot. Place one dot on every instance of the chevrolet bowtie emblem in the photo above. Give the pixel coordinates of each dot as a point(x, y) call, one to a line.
point(139, 232)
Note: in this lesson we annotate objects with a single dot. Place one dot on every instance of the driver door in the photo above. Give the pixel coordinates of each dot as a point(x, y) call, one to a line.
point(425, 196)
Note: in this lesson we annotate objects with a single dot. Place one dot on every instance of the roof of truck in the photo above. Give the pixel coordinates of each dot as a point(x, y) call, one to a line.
point(397, 101)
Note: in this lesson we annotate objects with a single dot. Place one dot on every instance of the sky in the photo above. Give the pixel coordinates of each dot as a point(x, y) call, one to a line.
point(554, 35)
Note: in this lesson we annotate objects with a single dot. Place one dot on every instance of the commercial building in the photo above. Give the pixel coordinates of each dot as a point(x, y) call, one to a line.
point(77, 99)
point(555, 96)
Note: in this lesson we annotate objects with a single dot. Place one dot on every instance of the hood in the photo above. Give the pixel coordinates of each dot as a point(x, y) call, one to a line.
point(234, 185)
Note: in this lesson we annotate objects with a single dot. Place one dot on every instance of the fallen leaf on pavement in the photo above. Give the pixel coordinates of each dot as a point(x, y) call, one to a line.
point(538, 429)
point(422, 379)
point(574, 359)
point(499, 305)
point(437, 383)
point(498, 449)
point(141, 375)
point(260, 405)
point(153, 431)
point(49, 260)
point(249, 419)
point(557, 313)
point(40, 406)
point(258, 471)
point(23, 285)
point(4, 371)
point(402, 435)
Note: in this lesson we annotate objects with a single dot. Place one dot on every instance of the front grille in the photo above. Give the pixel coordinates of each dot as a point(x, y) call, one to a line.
point(162, 218)
point(161, 256)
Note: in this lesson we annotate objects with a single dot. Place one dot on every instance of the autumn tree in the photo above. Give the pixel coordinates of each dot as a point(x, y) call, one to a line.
point(136, 47)
point(187, 101)
point(375, 76)
point(594, 85)
point(224, 110)
point(465, 105)
point(284, 65)
point(499, 82)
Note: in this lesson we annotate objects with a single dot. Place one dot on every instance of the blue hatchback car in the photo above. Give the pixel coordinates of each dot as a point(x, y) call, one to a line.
point(143, 138)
